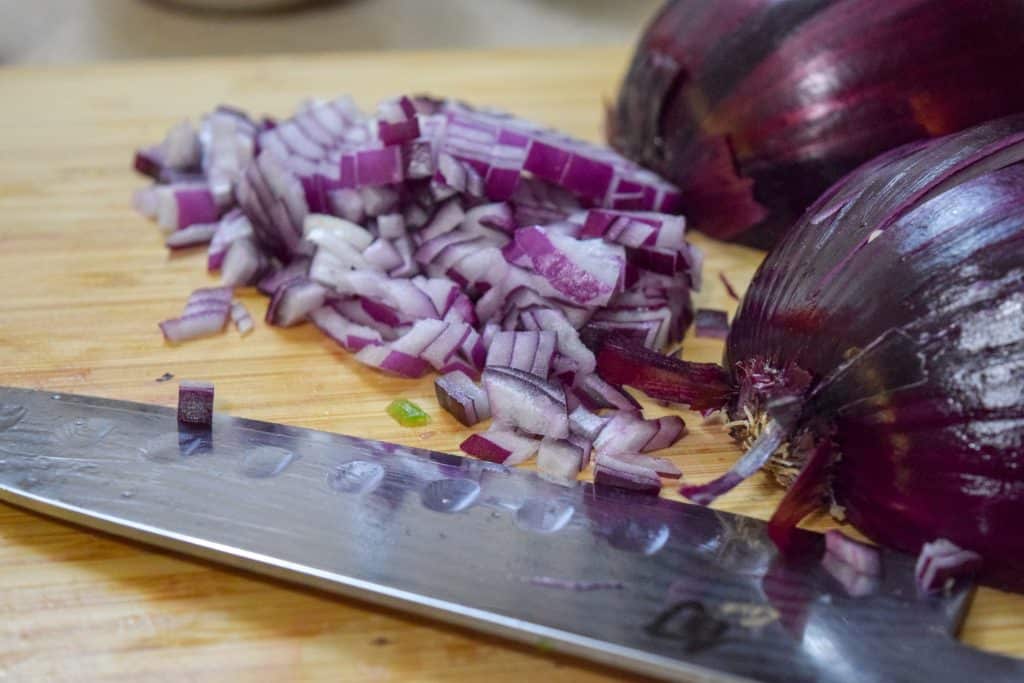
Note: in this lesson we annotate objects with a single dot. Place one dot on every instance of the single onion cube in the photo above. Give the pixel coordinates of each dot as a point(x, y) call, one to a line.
point(461, 397)
point(195, 403)
point(860, 556)
point(559, 461)
point(711, 323)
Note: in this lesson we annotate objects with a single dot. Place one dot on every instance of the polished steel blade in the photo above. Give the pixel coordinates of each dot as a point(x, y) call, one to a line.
point(649, 585)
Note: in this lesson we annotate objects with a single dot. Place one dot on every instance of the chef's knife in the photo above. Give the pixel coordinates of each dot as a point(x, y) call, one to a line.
point(645, 584)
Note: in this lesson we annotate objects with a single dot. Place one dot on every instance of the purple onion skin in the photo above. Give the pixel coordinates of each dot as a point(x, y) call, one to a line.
point(754, 107)
point(913, 339)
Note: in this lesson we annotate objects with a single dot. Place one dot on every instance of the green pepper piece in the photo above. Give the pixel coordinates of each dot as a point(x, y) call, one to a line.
point(407, 413)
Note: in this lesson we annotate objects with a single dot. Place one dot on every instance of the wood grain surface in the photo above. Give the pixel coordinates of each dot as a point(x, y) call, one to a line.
point(84, 282)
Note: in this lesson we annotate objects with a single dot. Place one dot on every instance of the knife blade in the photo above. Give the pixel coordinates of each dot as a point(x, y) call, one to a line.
point(645, 584)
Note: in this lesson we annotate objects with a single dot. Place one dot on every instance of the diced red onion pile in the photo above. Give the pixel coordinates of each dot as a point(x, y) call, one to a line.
point(433, 236)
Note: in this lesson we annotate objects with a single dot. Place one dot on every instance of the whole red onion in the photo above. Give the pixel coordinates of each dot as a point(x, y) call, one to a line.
point(877, 358)
point(754, 107)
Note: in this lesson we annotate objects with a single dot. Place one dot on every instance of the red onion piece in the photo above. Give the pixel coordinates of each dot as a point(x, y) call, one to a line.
point(193, 236)
point(440, 351)
point(387, 360)
point(293, 301)
point(646, 483)
point(347, 334)
point(559, 461)
point(702, 386)
point(241, 318)
point(586, 424)
point(499, 147)
point(181, 149)
point(321, 228)
point(182, 205)
point(671, 428)
point(195, 403)
point(711, 323)
point(862, 557)
point(587, 272)
point(243, 263)
point(625, 433)
point(857, 584)
point(754, 459)
point(447, 217)
point(382, 255)
point(501, 445)
point(637, 463)
point(270, 283)
point(729, 289)
point(206, 312)
point(494, 216)
point(461, 397)
point(941, 562)
point(527, 351)
point(232, 226)
point(193, 325)
point(526, 402)
point(594, 393)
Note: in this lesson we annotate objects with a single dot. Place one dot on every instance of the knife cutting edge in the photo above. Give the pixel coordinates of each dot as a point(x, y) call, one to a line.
point(645, 584)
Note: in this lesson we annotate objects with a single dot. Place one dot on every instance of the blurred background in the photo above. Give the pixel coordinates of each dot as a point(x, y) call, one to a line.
point(62, 31)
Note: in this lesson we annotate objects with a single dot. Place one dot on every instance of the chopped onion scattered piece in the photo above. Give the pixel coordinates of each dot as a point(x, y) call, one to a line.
point(711, 323)
point(240, 316)
point(941, 563)
point(501, 445)
point(526, 402)
point(645, 483)
point(195, 403)
point(206, 313)
point(559, 460)
point(862, 557)
point(461, 397)
point(638, 463)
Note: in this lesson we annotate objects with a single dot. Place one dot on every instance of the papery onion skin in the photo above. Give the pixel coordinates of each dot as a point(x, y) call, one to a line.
point(908, 316)
point(754, 107)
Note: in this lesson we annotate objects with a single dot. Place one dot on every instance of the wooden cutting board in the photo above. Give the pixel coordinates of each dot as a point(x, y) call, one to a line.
point(83, 282)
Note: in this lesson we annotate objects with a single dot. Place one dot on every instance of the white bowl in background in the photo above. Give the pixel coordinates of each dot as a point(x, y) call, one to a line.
point(239, 5)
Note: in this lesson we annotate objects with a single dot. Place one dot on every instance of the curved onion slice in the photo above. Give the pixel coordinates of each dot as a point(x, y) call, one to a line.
point(526, 402)
point(241, 317)
point(206, 312)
